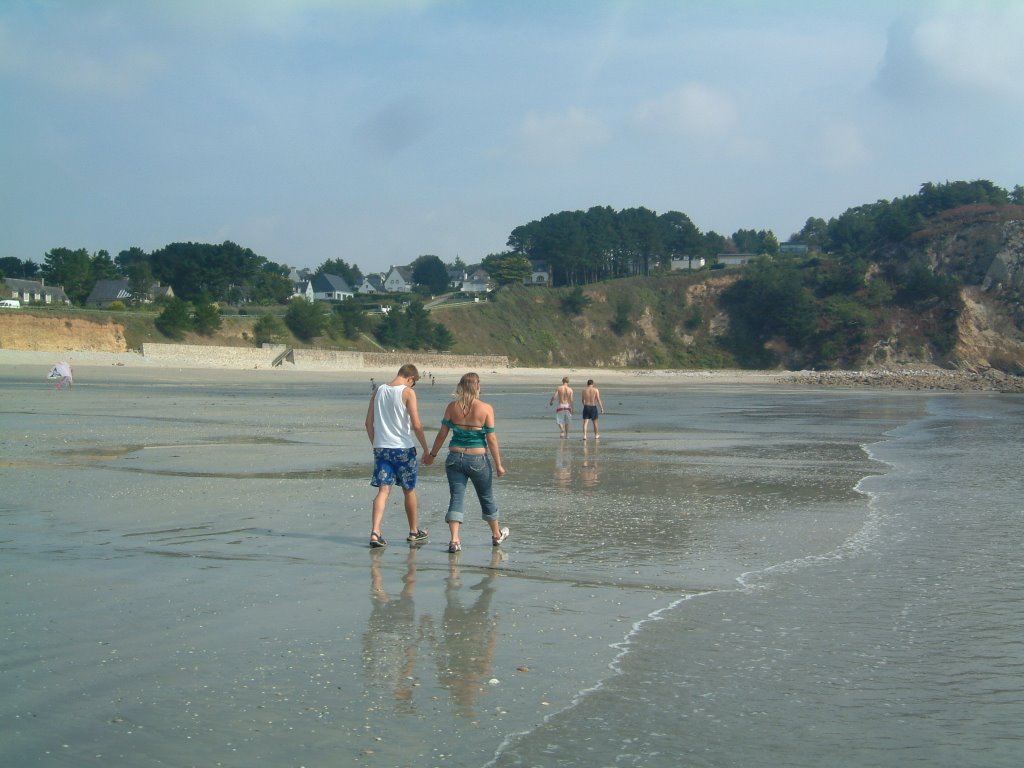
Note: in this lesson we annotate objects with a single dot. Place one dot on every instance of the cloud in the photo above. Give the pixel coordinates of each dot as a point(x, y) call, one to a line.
point(693, 110)
point(973, 48)
point(561, 137)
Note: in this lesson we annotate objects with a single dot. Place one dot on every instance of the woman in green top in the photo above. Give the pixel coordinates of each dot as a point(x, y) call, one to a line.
point(471, 423)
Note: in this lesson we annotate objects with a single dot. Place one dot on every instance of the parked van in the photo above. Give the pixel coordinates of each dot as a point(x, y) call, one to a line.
point(10, 304)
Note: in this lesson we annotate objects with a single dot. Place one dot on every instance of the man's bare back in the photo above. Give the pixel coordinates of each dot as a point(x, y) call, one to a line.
point(564, 395)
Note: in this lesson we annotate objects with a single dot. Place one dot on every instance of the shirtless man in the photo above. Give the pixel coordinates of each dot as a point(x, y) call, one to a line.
point(591, 397)
point(564, 409)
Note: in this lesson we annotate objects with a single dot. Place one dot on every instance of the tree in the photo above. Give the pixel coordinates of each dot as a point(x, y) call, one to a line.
point(269, 286)
point(103, 267)
point(269, 330)
point(192, 268)
point(206, 319)
point(174, 321)
point(679, 235)
point(621, 322)
point(305, 319)
point(349, 272)
point(509, 268)
point(443, 339)
point(140, 280)
point(749, 241)
point(813, 234)
point(574, 302)
point(412, 328)
point(11, 266)
point(430, 272)
point(70, 269)
point(349, 318)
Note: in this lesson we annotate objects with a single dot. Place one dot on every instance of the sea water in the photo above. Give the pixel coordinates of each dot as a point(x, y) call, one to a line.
point(887, 631)
point(730, 576)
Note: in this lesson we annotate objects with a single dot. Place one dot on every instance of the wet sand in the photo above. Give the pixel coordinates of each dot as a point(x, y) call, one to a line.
point(187, 579)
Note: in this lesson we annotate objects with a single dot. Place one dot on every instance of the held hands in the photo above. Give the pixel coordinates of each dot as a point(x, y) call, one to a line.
point(428, 459)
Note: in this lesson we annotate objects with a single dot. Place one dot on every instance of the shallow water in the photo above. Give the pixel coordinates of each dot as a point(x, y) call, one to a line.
point(730, 577)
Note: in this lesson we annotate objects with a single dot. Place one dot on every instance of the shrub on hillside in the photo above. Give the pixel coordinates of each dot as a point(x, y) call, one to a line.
point(174, 321)
point(269, 329)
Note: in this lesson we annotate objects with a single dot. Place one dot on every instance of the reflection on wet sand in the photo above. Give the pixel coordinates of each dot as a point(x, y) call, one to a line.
point(469, 637)
point(463, 650)
point(563, 465)
point(566, 466)
point(393, 636)
point(590, 474)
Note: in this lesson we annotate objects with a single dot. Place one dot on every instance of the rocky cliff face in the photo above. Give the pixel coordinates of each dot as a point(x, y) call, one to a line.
point(984, 248)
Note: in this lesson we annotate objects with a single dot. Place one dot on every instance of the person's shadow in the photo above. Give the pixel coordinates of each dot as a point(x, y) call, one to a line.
point(393, 636)
point(469, 636)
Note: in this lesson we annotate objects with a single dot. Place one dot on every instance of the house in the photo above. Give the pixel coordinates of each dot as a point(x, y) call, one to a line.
point(688, 262)
point(477, 281)
point(540, 274)
point(105, 292)
point(735, 259)
point(372, 284)
point(398, 280)
point(303, 289)
point(27, 291)
point(328, 287)
point(798, 249)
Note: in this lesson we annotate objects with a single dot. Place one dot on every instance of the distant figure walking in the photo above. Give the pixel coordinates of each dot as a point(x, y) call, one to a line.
point(471, 422)
point(391, 421)
point(591, 397)
point(565, 408)
point(63, 373)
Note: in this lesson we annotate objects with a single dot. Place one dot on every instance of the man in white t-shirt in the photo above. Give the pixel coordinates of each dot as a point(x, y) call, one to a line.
point(392, 420)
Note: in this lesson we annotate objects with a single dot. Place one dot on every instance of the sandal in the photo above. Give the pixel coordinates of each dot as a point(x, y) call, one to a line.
point(502, 535)
point(417, 536)
point(454, 546)
point(376, 540)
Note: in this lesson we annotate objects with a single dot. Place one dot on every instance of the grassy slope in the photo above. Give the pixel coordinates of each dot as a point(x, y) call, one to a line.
point(529, 325)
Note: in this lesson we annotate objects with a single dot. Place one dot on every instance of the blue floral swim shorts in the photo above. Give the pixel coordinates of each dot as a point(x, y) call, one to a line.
point(395, 465)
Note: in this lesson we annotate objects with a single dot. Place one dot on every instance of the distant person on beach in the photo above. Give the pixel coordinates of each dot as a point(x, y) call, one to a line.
point(471, 422)
point(564, 409)
point(391, 421)
point(591, 397)
point(63, 373)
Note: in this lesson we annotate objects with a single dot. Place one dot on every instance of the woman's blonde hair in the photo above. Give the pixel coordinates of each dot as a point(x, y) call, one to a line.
point(467, 391)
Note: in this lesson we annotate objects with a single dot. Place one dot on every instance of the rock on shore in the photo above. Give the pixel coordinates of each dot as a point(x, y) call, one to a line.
point(911, 379)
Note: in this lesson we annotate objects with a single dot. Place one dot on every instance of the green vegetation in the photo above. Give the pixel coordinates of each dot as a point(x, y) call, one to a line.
point(412, 328)
point(305, 319)
point(823, 299)
point(269, 329)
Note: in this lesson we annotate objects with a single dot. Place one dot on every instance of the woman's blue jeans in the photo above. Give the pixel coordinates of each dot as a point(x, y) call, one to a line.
point(464, 468)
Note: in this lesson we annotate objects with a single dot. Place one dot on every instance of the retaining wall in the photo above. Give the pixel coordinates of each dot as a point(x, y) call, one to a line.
point(197, 356)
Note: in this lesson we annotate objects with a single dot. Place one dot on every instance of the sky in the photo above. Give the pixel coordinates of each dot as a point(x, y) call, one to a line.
point(376, 132)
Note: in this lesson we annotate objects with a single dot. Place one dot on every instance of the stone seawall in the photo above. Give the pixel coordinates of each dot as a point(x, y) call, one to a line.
point(197, 356)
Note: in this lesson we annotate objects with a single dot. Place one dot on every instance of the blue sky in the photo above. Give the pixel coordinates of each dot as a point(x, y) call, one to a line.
point(376, 132)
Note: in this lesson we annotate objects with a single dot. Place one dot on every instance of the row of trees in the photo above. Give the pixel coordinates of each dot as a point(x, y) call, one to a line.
point(586, 246)
point(888, 222)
